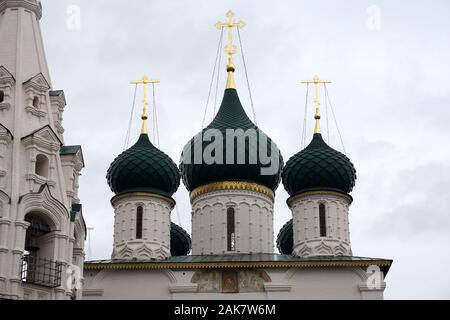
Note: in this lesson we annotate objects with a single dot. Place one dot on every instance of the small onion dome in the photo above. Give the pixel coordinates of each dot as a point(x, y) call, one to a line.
point(231, 115)
point(285, 239)
point(318, 167)
point(180, 241)
point(144, 168)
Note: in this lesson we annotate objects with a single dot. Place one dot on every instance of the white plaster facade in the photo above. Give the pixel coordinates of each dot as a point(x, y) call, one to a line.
point(280, 284)
point(33, 182)
point(253, 222)
point(155, 240)
point(307, 238)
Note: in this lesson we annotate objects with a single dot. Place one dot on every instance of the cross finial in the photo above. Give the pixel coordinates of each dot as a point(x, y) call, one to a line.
point(144, 81)
point(316, 81)
point(230, 49)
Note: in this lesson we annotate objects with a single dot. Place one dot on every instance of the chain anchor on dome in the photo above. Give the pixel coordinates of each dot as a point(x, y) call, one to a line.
point(230, 49)
point(145, 81)
point(316, 81)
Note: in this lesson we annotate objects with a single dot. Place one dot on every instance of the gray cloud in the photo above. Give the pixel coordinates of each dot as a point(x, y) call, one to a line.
point(390, 93)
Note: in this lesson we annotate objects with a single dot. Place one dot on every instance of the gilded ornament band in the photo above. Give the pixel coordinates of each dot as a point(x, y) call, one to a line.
point(232, 185)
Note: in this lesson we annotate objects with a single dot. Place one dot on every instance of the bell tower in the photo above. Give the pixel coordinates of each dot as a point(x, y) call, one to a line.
point(39, 205)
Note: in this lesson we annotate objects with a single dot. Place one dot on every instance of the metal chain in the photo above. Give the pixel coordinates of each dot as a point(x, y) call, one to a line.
point(155, 118)
point(303, 141)
point(246, 76)
point(335, 120)
point(212, 79)
point(127, 137)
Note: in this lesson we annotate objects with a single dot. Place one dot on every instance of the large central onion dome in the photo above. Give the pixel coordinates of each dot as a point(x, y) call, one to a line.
point(319, 167)
point(144, 168)
point(248, 137)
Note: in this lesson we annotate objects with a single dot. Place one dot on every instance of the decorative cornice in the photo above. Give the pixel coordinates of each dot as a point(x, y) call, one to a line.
point(32, 5)
point(38, 82)
point(236, 265)
point(319, 193)
point(142, 194)
point(232, 185)
point(93, 292)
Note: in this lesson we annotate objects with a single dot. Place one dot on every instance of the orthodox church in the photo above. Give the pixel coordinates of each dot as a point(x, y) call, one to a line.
point(232, 170)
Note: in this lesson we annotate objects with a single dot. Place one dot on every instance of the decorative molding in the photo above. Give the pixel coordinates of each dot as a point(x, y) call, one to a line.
point(32, 5)
point(58, 103)
point(183, 288)
point(363, 287)
point(7, 82)
point(38, 87)
point(277, 287)
point(45, 138)
point(39, 180)
point(231, 185)
point(237, 264)
point(130, 195)
point(44, 202)
point(304, 195)
point(93, 292)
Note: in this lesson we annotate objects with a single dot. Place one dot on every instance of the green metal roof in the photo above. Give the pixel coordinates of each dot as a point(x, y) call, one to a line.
point(318, 167)
point(260, 260)
point(180, 241)
point(254, 257)
point(285, 239)
point(231, 115)
point(144, 168)
point(55, 93)
point(69, 150)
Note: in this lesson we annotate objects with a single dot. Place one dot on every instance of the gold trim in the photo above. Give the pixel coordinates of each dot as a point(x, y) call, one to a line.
point(140, 194)
point(316, 81)
point(145, 80)
point(232, 185)
point(230, 49)
point(241, 265)
point(315, 193)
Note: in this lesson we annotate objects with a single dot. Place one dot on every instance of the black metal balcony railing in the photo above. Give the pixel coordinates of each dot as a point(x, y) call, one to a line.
point(41, 272)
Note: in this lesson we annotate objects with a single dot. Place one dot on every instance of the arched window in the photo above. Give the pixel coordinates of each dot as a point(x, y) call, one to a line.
point(139, 217)
point(37, 267)
point(42, 166)
point(36, 102)
point(322, 220)
point(231, 233)
point(2, 96)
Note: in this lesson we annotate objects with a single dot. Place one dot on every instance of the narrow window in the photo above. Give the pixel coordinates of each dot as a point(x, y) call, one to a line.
point(322, 220)
point(41, 165)
point(139, 216)
point(2, 96)
point(231, 234)
point(36, 102)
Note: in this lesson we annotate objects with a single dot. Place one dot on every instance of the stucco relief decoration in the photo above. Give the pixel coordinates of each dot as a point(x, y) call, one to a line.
point(6, 87)
point(36, 95)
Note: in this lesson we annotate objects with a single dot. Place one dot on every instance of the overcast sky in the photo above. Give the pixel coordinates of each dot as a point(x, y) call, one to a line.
point(389, 62)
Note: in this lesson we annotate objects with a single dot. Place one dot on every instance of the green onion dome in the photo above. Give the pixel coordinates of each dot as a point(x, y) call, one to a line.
point(231, 115)
point(285, 239)
point(144, 168)
point(180, 241)
point(318, 167)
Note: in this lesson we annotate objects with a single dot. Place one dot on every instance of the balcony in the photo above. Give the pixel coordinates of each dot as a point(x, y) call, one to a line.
point(41, 272)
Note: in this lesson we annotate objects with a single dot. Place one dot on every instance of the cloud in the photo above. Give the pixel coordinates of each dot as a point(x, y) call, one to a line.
point(389, 91)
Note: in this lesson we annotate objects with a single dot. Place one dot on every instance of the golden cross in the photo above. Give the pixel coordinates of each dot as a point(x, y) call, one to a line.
point(145, 81)
point(316, 81)
point(230, 49)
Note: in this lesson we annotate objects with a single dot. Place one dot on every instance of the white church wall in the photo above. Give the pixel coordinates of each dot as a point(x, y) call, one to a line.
point(307, 238)
point(253, 222)
point(303, 284)
point(155, 241)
